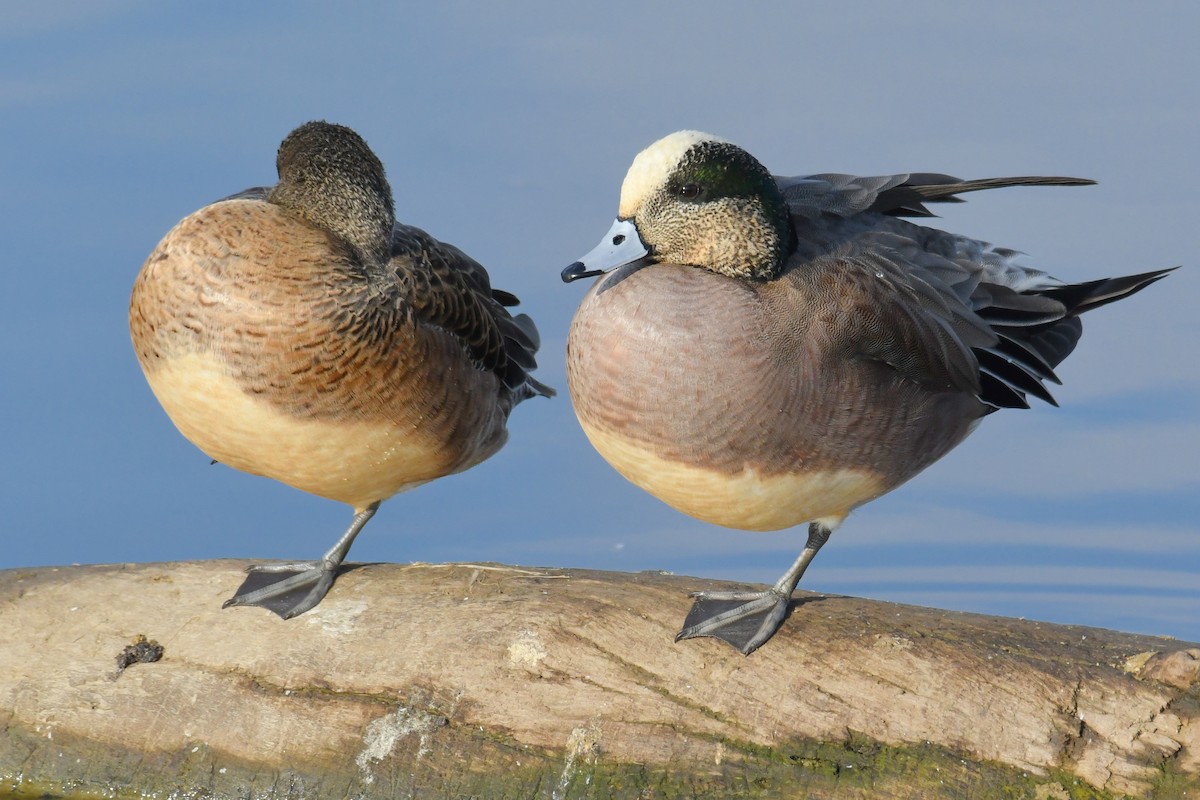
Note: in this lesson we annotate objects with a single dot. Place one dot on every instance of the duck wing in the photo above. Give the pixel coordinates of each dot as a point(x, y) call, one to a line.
point(447, 288)
point(943, 309)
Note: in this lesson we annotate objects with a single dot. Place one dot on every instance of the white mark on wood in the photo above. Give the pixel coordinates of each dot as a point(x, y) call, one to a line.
point(893, 642)
point(383, 734)
point(526, 650)
point(336, 617)
point(582, 743)
point(529, 573)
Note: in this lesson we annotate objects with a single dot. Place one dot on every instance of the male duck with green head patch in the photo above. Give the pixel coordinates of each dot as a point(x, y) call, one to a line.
point(759, 352)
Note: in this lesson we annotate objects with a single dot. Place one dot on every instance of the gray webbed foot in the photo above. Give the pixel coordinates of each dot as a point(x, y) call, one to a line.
point(291, 589)
point(287, 589)
point(745, 620)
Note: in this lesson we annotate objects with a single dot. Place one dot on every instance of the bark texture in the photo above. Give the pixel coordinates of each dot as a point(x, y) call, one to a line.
point(488, 681)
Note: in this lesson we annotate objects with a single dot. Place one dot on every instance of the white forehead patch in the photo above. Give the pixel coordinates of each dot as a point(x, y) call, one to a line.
point(653, 165)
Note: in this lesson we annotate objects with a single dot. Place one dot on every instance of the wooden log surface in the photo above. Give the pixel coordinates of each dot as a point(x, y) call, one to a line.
point(486, 680)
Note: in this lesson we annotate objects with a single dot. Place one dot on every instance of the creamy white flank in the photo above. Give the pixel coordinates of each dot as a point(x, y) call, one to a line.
point(355, 463)
point(653, 165)
point(747, 501)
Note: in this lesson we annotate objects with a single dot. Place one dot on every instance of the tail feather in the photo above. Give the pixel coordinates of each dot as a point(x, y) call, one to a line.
point(908, 199)
point(936, 187)
point(1081, 297)
point(1028, 350)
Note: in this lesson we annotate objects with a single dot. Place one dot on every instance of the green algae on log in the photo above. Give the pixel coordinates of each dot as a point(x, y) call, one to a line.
point(490, 681)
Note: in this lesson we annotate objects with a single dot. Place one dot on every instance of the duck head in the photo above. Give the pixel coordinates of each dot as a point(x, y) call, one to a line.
point(329, 177)
point(697, 200)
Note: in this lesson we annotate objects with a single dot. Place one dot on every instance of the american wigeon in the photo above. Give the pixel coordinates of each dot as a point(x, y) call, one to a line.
point(299, 332)
point(762, 351)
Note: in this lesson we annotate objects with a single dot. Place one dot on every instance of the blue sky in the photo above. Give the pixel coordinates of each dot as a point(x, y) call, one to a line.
point(506, 129)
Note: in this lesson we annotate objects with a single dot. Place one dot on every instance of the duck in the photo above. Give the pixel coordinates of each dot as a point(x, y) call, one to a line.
point(299, 332)
point(760, 351)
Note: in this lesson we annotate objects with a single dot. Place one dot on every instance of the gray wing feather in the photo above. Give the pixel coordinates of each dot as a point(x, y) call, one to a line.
point(984, 322)
point(901, 195)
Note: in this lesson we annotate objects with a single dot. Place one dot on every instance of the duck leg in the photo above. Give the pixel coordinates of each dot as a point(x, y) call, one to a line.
point(747, 620)
point(291, 589)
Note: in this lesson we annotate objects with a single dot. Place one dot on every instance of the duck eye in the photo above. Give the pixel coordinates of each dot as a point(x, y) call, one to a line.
point(690, 191)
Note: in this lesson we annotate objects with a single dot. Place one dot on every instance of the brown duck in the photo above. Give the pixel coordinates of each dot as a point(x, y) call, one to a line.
point(300, 333)
point(763, 351)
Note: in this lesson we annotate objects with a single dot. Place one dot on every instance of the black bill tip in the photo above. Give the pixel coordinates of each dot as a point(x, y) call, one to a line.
point(579, 270)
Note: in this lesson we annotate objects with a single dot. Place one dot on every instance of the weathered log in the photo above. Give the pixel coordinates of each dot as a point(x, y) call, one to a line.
point(489, 681)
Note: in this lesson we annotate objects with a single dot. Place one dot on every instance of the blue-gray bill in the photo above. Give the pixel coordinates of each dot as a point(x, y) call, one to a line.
point(621, 246)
